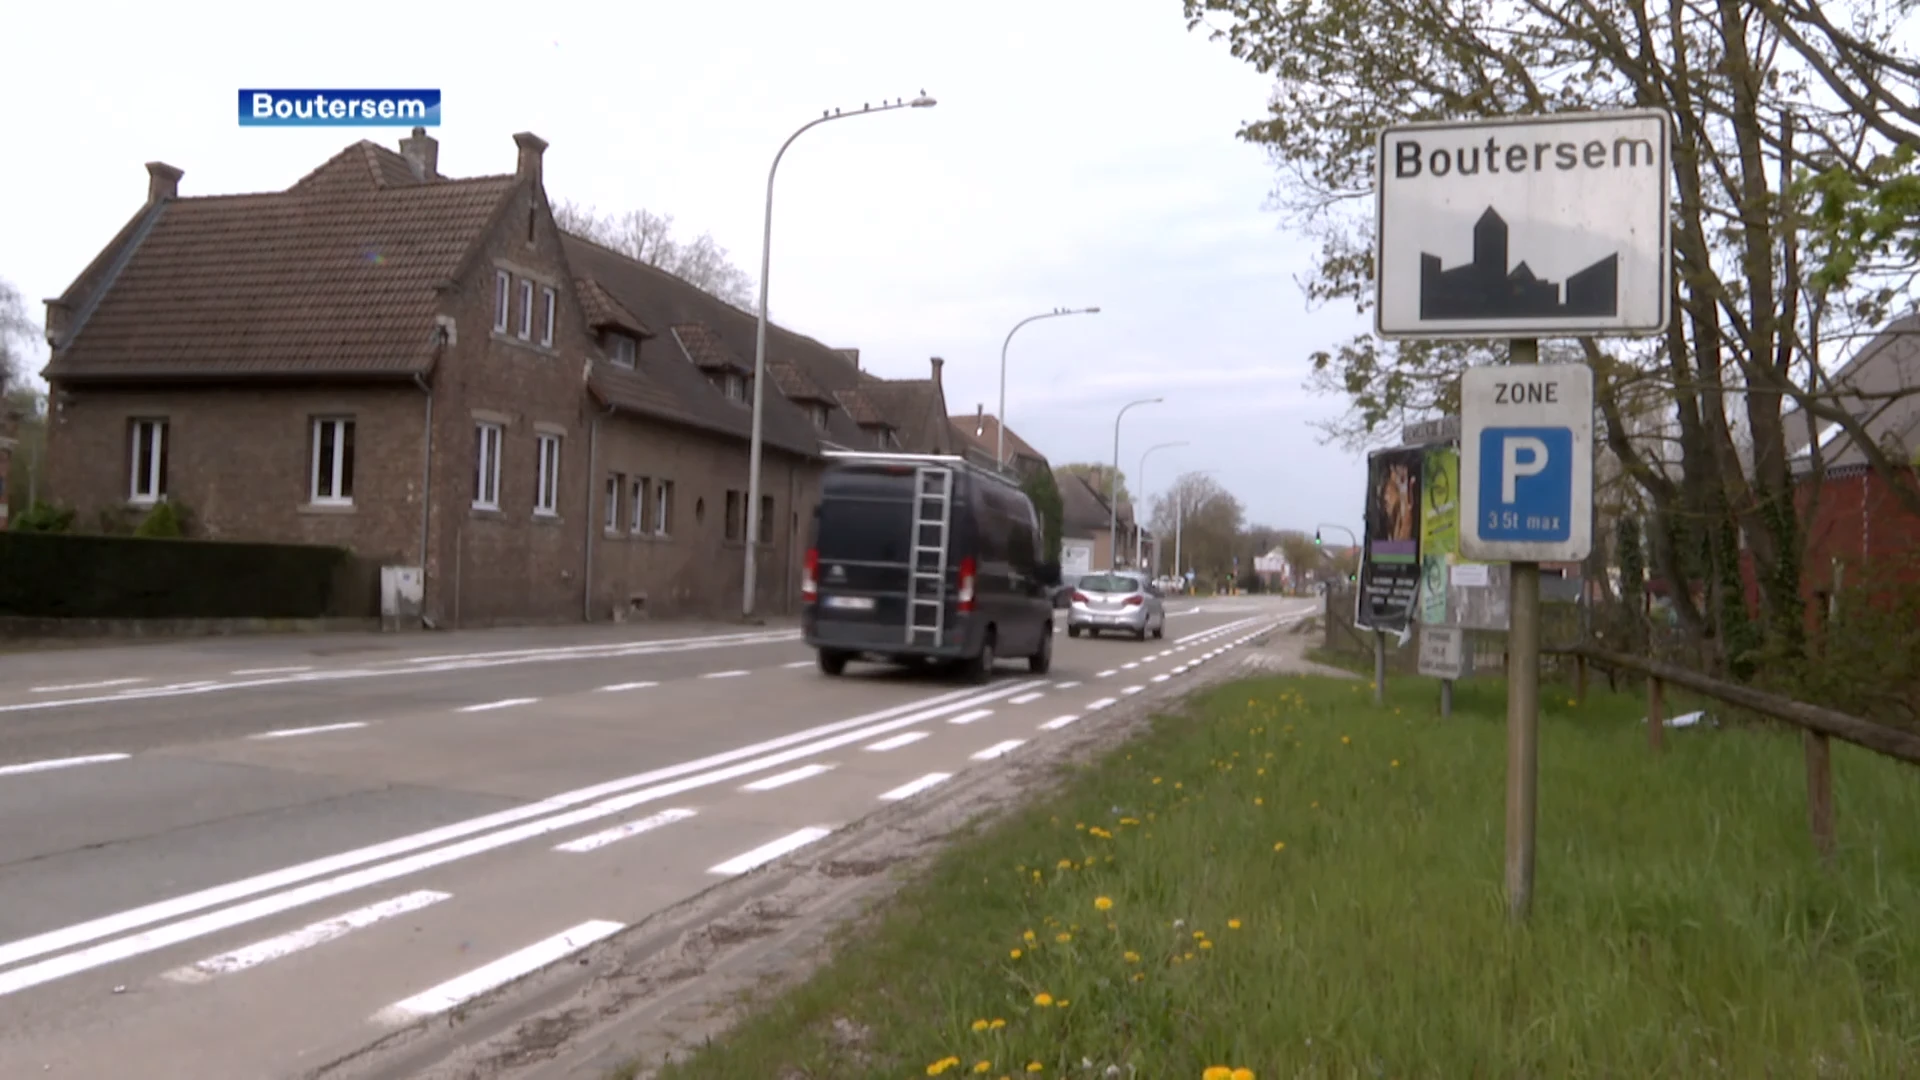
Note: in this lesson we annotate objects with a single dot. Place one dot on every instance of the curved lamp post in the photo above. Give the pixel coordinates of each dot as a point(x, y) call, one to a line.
point(1113, 489)
point(1000, 418)
point(760, 335)
point(1141, 479)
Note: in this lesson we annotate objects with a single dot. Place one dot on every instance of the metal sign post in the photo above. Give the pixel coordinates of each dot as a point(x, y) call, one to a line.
point(1519, 229)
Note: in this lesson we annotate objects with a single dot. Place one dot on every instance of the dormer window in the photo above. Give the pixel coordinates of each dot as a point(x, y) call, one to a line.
point(820, 417)
point(625, 350)
point(734, 385)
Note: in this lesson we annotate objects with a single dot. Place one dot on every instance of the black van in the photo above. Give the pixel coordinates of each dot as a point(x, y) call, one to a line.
point(926, 558)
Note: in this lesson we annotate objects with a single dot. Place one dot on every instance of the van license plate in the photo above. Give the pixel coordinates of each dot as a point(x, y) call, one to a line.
point(851, 603)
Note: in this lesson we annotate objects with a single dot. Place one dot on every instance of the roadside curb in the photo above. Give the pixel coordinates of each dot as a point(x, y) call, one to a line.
point(687, 973)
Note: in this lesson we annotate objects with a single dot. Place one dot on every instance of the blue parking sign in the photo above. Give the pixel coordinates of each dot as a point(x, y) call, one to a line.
point(1526, 484)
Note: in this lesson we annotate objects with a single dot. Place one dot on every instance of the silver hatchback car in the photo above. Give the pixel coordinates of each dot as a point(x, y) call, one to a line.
point(1119, 601)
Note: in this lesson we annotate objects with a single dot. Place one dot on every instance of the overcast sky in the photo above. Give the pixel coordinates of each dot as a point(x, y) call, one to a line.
point(1082, 153)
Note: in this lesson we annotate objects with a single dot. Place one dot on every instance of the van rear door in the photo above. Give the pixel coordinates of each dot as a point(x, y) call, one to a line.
point(863, 536)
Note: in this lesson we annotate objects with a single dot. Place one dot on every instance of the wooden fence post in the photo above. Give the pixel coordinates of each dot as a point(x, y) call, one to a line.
point(1820, 792)
point(1656, 714)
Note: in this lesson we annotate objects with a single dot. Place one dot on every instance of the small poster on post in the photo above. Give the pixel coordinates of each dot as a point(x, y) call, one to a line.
point(1390, 561)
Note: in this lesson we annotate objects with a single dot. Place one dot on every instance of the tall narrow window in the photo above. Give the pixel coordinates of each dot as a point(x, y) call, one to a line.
point(736, 503)
point(613, 501)
point(502, 299)
point(147, 481)
point(662, 507)
point(766, 519)
point(637, 506)
point(546, 316)
point(486, 466)
point(332, 471)
point(546, 492)
point(526, 311)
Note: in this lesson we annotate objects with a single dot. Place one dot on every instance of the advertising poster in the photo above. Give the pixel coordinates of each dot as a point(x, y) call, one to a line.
point(1439, 531)
point(1390, 564)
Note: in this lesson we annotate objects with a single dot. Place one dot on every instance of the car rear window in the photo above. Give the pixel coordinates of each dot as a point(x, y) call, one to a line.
point(1109, 583)
point(866, 517)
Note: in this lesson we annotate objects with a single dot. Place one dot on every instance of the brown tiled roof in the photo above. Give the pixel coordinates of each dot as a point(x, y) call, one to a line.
point(796, 384)
point(915, 409)
point(980, 431)
point(336, 276)
point(663, 384)
point(604, 311)
point(861, 408)
point(705, 349)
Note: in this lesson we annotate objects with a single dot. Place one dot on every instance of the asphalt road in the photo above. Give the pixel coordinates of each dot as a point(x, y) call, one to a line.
point(249, 858)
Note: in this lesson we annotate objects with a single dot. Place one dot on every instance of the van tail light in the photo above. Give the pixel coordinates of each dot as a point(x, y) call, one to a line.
point(1081, 598)
point(966, 584)
point(810, 578)
point(1136, 601)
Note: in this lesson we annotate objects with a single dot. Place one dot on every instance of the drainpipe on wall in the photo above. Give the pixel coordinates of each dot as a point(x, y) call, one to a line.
point(426, 496)
point(593, 481)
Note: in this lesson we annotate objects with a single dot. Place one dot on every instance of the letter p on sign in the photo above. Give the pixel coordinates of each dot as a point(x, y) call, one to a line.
point(1512, 468)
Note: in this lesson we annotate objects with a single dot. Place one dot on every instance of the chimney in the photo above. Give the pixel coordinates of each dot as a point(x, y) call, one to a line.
point(937, 365)
point(531, 147)
point(163, 182)
point(422, 152)
point(980, 420)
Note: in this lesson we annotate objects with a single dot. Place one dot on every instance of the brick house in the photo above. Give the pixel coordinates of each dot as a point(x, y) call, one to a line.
point(1085, 519)
point(424, 369)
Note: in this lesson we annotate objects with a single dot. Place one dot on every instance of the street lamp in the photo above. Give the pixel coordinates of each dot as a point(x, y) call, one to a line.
point(760, 333)
point(1000, 419)
point(1141, 479)
point(1113, 491)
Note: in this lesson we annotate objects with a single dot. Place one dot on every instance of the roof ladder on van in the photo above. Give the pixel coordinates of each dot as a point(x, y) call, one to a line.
point(927, 583)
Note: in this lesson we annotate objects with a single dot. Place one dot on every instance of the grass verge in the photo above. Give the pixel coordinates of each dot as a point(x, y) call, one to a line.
point(1292, 881)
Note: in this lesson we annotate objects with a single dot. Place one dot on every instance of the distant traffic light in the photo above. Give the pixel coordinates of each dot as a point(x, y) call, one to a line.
point(1316, 536)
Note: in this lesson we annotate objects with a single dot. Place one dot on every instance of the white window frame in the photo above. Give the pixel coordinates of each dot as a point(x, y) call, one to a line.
point(502, 299)
point(626, 351)
point(548, 307)
point(486, 465)
point(333, 466)
point(149, 432)
point(820, 417)
point(662, 506)
point(612, 515)
point(525, 332)
point(546, 488)
point(637, 499)
point(735, 379)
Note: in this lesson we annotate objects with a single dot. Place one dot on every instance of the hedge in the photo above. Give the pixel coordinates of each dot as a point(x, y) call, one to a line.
point(66, 575)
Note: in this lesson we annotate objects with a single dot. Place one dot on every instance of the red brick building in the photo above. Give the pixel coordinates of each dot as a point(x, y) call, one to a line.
point(428, 371)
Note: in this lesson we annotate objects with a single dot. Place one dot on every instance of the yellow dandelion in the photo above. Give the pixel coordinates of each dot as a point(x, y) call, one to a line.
point(1065, 864)
point(1258, 801)
point(1130, 956)
point(1063, 937)
point(979, 1025)
point(1028, 936)
point(1156, 779)
point(1034, 1066)
point(997, 1024)
point(1242, 1074)
point(1281, 846)
point(1199, 935)
point(983, 1066)
point(1206, 944)
point(1043, 999)
point(1103, 903)
point(1345, 741)
point(1396, 763)
point(1217, 1072)
point(942, 1065)
point(1315, 805)
point(1013, 953)
point(1233, 924)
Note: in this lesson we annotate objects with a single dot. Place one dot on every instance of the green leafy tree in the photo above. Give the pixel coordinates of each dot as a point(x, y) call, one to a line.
point(1044, 491)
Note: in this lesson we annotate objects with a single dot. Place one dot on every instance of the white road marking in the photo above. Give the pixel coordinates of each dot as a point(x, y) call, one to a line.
point(914, 787)
point(1133, 689)
point(898, 741)
point(997, 749)
point(800, 664)
point(502, 971)
point(101, 685)
point(726, 674)
point(791, 776)
point(306, 937)
point(272, 670)
point(1104, 674)
point(59, 763)
point(620, 686)
point(419, 665)
point(288, 733)
point(1160, 678)
point(1024, 698)
point(1130, 665)
point(770, 851)
point(496, 830)
point(1059, 722)
point(1095, 706)
point(1181, 670)
point(503, 703)
point(621, 832)
point(970, 717)
point(1065, 685)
